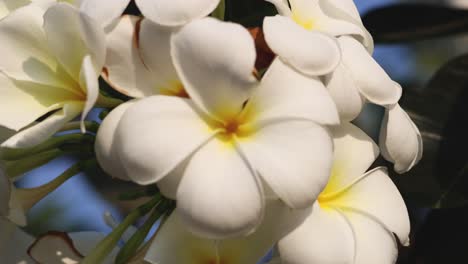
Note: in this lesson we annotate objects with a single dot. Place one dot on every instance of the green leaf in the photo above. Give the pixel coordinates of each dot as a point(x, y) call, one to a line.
point(411, 22)
point(440, 110)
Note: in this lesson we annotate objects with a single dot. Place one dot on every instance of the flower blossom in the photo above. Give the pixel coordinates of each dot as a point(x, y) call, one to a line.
point(139, 64)
point(360, 217)
point(355, 78)
point(50, 67)
point(232, 135)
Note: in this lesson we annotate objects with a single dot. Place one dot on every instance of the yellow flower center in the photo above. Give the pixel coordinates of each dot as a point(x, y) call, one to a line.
point(307, 23)
point(175, 88)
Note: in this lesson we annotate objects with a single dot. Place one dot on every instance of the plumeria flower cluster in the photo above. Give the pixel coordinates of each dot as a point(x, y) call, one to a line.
point(239, 159)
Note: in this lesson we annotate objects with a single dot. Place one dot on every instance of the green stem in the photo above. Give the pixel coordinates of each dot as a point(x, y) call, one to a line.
point(17, 168)
point(30, 197)
point(99, 253)
point(10, 154)
point(108, 102)
point(138, 238)
point(133, 195)
point(220, 11)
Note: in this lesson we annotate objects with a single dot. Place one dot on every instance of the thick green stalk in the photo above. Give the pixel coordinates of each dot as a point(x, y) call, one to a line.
point(108, 102)
point(10, 154)
point(30, 197)
point(132, 245)
point(17, 168)
point(102, 250)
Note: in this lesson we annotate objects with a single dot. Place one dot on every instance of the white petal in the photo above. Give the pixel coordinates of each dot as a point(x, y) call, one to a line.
point(14, 244)
point(346, 10)
point(400, 139)
point(7, 6)
point(374, 244)
point(89, 80)
point(220, 195)
point(347, 166)
point(174, 237)
point(124, 69)
point(294, 158)
point(376, 196)
point(279, 220)
point(286, 94)
point(106, 153)
point(155, 51)
point(4, 193)
point(312, 53)
point(215, 61)
point(24, 49)
point(324, 237)
point(176, 12)
point(310, 14)
point(40, 132)
point(282, 6)
point(104, 11)
point(23, 102)
point(372, 80)
point(148, 131)
point(345, 93)
point(71, 36)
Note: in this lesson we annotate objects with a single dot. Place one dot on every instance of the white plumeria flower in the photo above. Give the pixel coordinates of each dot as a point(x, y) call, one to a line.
point(360, 79)
point(207, 152)
point(359, 218)
point(356, 79)
point(296, 33)
point(51, 63)
point(104, 12)
point(173, 243)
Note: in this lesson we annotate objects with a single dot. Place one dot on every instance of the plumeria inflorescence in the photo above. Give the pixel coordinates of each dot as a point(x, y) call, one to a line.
point(233, 160)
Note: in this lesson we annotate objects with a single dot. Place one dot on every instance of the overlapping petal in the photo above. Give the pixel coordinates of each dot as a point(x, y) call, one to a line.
point(157, 57)
point(220, 194)
point(400, 139)
point(23, 101)
point(104, 12)
point(124, 68)
point(174, 237)
point(26, 55)
point(106, 142)
point(285, 94)
point(346, 10)
point(215, 61)
point(148, 130)
point(324, 237)
point(377, 197)
point(346, 95)
point(176, 12)
point(71, 35)
point(39, 132)
point(347, 166)
point(294, 158)
point(312, 53)
point(372, 80)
